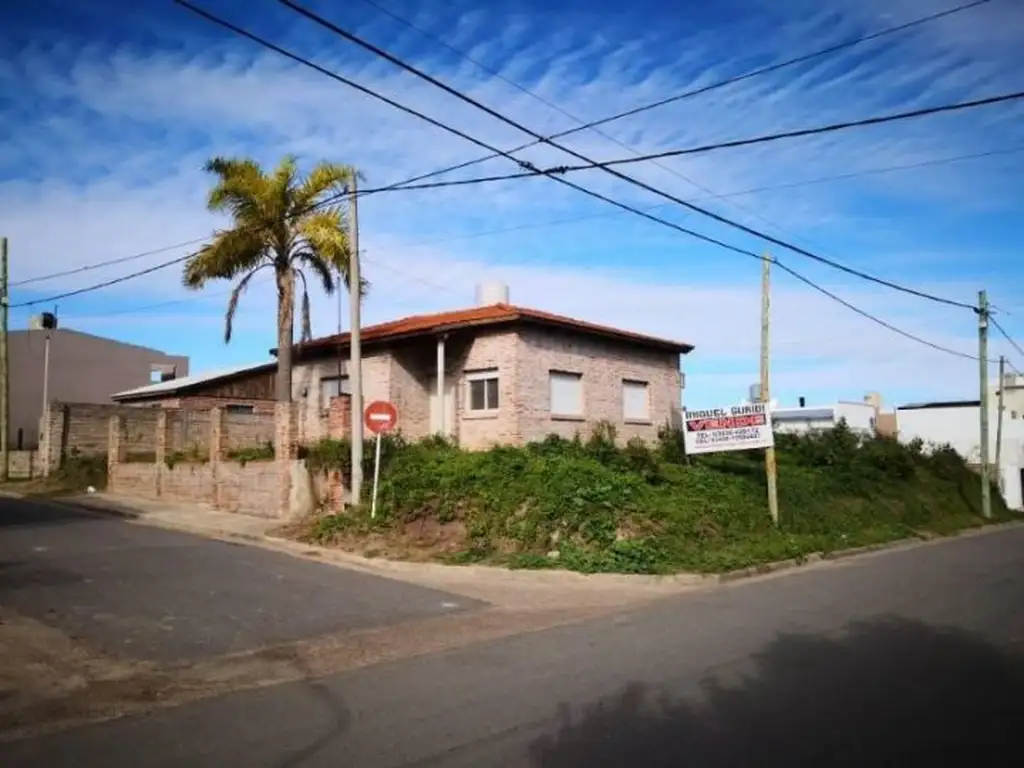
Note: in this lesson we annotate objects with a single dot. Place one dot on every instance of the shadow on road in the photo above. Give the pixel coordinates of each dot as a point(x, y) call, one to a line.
point(26, 513)
point(891, 692)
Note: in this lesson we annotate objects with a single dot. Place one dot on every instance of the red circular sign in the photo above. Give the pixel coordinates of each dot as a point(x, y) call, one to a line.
point(380, 416)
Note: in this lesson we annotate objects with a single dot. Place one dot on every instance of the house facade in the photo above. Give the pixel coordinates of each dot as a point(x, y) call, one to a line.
point(482, 376)
point(498, 374)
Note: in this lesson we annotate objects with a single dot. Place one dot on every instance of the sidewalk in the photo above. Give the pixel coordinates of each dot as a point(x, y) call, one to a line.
point(502, 587)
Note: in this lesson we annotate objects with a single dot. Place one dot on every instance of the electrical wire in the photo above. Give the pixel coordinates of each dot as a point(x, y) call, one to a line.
point(1006, 335)
point(608, 137)
point(345, 34)
point(802, 59)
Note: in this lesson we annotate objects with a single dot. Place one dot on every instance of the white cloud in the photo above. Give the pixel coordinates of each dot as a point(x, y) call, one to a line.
point(117, 171)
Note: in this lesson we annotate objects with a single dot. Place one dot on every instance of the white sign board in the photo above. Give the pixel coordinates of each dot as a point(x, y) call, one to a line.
point(739, 428)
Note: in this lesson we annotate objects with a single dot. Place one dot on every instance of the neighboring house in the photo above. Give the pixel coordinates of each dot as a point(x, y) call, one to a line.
point(498, 373)
point(82, 369)
point(860, 416)
point(248, 389)
point(958, 424)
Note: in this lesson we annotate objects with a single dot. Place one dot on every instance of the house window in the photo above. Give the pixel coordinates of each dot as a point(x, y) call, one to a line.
point(636, 403)
point(236, 408)
point(566, 393)
point(483, 390)
point(333, 386)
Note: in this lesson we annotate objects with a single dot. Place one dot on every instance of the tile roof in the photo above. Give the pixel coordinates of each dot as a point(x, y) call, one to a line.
point(494, 314)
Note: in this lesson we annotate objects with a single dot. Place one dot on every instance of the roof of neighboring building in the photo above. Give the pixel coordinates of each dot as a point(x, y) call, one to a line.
point(802, 414)
point(940, 404)
point(483, 317)
point(173, 387)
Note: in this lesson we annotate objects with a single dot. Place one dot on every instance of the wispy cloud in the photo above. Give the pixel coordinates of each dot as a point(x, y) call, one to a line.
point(105, 160)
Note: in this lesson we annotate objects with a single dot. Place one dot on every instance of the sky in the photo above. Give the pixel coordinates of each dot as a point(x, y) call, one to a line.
point(109, 109)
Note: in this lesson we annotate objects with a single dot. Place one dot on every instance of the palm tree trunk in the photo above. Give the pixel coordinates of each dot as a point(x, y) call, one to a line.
point(285, 330)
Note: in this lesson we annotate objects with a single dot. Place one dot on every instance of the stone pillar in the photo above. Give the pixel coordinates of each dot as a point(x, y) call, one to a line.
point(217, 447)
point(115, 451)
point(339, 418)
point(51, 434)
point(217, 442)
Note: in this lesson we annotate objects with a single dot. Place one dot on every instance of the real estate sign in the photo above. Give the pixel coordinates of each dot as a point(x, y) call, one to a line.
point(738, 428)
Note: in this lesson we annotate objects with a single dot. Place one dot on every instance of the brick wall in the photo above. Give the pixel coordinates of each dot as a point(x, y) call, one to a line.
point(188, 431)
point(604, 365)
point(477, 430)
point(244, 430)
point(257, 488)
point(312, 424)
point(69, 429)
point(206, 403)
point(339, 418)
point(24, 464)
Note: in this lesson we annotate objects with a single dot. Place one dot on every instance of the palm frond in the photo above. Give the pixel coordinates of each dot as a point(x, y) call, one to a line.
point(326, 180)
point(236, 294)
point(231, 253)
point(325, 238)
point(241, 189)
point(283, 186)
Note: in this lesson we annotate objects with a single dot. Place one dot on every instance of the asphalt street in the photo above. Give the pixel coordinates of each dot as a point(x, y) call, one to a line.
point(144, 593)
point(906, 657)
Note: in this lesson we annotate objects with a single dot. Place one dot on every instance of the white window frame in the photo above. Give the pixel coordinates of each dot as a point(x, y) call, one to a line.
point(566, 377)
point(634, 385)
point(344, 387)
point(484, 375)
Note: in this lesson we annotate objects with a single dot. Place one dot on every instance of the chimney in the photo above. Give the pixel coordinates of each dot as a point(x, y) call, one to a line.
point(803, 402)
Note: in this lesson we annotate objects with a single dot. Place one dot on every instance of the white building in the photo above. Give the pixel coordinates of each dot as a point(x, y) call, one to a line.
point(859, 416)
point(958, 423)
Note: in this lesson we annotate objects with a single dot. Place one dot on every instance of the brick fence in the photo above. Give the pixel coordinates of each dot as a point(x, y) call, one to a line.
point(204, 473)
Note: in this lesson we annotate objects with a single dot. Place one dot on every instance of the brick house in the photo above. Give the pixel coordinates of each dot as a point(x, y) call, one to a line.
point(494, 373)
point(248, 389)
point(498, 373)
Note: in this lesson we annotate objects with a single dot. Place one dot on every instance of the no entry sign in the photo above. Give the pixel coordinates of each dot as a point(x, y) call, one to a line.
point(380, 416)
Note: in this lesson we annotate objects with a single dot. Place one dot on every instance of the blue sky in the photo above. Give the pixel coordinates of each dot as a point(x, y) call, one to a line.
point(108, 111)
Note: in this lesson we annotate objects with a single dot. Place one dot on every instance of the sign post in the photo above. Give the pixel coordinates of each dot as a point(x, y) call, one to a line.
point(379, 417)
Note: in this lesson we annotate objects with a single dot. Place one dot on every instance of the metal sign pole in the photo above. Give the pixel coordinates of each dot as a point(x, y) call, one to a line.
point(376, 478)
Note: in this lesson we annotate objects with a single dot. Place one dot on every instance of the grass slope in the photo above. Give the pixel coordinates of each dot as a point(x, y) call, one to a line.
point(591, 506)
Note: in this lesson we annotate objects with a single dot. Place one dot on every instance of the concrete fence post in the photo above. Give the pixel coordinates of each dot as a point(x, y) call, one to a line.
point(115, 451)
point(217, 451)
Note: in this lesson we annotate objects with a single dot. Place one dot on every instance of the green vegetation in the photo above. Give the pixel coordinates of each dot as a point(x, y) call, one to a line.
point(589, 505)
point(262, 452)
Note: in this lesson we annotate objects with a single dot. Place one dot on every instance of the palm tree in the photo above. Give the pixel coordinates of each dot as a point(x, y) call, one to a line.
point(281, 222)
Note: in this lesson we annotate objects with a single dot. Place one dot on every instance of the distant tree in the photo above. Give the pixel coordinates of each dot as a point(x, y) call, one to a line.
point(282, 222)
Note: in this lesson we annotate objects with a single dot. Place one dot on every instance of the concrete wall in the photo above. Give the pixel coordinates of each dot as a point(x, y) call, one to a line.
point(83, 369)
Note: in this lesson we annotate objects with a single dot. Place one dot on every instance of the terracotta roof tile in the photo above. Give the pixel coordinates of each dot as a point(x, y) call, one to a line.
point(494, 314)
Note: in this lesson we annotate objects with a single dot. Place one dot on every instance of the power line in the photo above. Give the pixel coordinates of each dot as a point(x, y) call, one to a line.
point(1006, 335)
point(345, 34)
point(654, 161)
point(478, 142)
point(729, 80)
point(801, 132)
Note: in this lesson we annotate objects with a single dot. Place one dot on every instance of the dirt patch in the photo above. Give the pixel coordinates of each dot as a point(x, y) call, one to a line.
point(423, 540)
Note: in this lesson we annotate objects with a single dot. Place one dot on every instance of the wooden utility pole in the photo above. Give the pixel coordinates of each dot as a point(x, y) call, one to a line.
point(769, 453)
point(5, 372)
point(999, 421)
point(355, 366)
point(986, 488)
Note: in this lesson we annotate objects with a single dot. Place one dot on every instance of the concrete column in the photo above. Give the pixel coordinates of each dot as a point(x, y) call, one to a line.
point(217, 442)
point(115, 451)
point(160, 443)
point(442, 417)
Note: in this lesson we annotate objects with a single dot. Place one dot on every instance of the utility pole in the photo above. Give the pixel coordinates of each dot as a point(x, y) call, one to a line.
point(999, 422)
point(986, 488)
point(5, 373)
point(355, 366)
point(769, 453)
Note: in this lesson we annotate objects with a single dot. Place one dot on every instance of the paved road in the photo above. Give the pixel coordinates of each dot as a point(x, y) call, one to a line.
point(139, 592)
point(906, 658)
